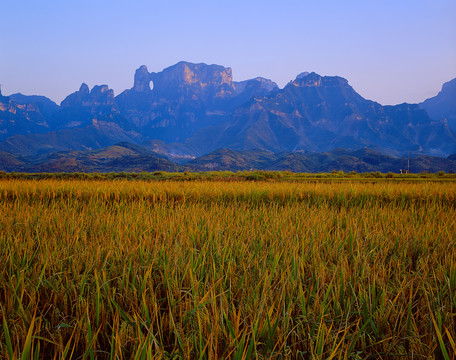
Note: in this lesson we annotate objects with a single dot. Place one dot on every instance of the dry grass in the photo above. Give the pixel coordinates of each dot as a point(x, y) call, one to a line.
point(195, 270)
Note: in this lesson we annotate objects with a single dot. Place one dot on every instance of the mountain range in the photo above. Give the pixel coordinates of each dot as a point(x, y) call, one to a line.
point(190, 116)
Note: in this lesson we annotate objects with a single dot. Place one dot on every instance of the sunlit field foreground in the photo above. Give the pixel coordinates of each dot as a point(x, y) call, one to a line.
point(210, 269)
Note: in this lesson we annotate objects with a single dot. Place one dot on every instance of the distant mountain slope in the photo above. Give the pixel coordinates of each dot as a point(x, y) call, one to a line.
point(18, 118)
point(115, 158)
point(46, 105)
point(443, 105)
point(362, 160)
point(80, 108)
point(85, 120)
point(10, 162)
point(135, 158)
point(97, 135)
point(315, 113)
point(227, 159)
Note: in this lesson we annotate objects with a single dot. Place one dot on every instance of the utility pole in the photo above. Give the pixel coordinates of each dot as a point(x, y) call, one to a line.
point(408, 163)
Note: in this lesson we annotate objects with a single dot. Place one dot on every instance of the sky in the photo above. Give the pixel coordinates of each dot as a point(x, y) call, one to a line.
point(389, 51)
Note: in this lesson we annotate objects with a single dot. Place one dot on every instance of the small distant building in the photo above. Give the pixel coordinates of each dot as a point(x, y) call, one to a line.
point(404, 171)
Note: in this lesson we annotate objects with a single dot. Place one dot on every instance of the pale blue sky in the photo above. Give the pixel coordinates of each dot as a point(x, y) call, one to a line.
point(390, 51)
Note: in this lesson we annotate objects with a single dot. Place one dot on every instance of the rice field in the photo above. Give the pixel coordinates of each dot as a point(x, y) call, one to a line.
point(119, 269)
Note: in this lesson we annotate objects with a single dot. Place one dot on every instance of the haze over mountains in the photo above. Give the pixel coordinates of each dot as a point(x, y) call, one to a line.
point(188, 111)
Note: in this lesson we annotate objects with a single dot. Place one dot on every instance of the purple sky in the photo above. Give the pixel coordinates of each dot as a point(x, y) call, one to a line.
point(390, 51)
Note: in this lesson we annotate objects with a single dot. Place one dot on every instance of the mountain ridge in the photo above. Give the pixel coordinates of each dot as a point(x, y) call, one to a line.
point(316, 113)
point(188, 110)
point(135, 158)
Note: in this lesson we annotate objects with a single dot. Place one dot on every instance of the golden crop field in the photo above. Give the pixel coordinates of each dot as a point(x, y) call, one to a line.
point(118, 269)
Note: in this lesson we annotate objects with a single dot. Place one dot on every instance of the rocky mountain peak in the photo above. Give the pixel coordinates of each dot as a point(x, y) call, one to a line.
point(196, 82)
point(303, 74)
point(257, 83)
point(186, 97)
point(46, 105)
point(142, 79)
point(196, 78)
point(189, 73)
point(84, 89)
point(102, 89)
point(313, 79)
point(99, 95)
point(182, 75)
point(76, 98)
point(443, 105)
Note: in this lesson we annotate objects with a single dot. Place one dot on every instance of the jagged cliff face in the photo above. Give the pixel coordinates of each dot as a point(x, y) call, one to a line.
point(46, 106)
point(175, 103)
point(85, 107)
point(99, 96)
point(142, 80)
point(198, 82)
point(185, 80)
point(20, 118)
point(443, 105)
